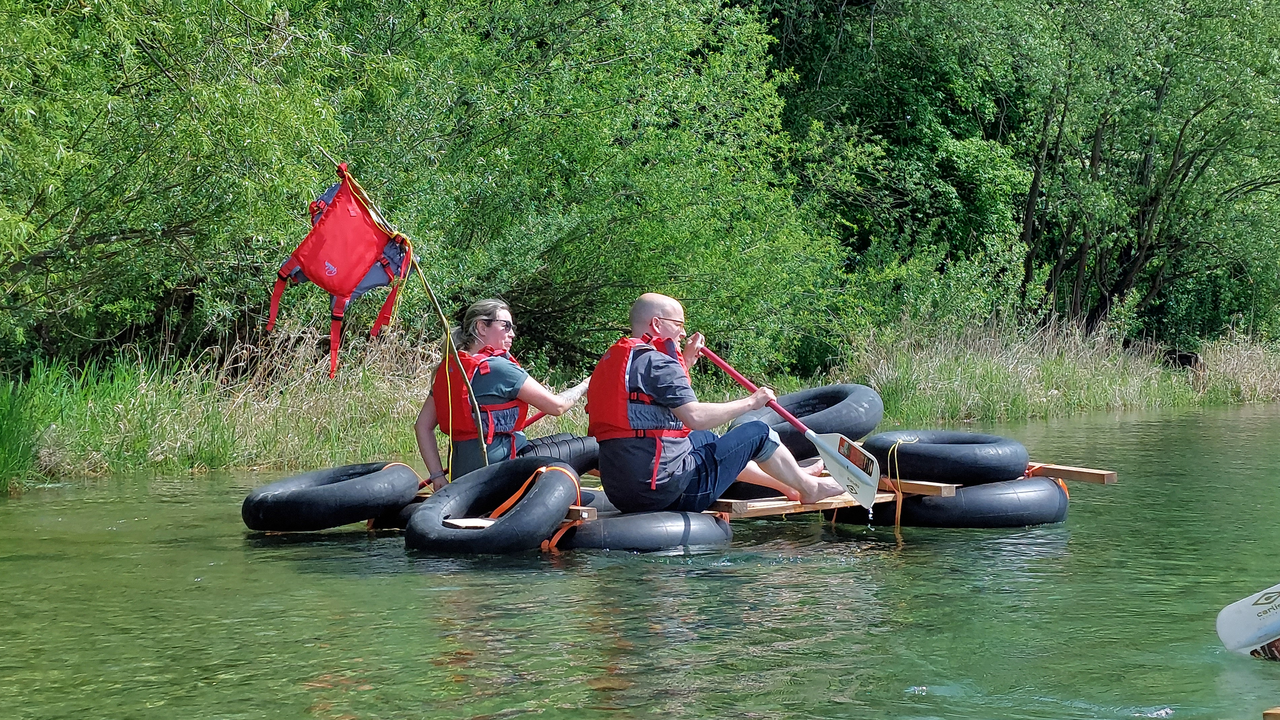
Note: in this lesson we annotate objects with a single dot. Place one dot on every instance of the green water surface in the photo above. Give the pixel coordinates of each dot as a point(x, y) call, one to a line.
point(147, 598)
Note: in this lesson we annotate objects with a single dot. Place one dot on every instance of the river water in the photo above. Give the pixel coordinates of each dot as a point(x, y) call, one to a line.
point(140, 597)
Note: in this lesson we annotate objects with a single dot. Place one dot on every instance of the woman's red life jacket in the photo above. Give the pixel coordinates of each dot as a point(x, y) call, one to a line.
point(453, 404)
point(608, 398)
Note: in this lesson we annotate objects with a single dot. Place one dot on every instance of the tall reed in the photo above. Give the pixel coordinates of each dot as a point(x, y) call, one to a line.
point(991, 375)
point(17, 435)
point(267, 406)
point(273, 406)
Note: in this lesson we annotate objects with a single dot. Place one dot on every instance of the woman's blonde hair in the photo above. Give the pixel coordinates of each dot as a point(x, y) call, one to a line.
point(464, 336)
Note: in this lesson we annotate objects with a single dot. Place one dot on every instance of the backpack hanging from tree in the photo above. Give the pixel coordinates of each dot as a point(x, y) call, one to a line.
point(349, 251)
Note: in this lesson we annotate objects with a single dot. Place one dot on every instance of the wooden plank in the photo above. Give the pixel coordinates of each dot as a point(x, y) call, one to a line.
point(1067, 472)
point(915, 487)
point(580, 512)
point(1272, 714)
point(920, 487)
point(781, 506)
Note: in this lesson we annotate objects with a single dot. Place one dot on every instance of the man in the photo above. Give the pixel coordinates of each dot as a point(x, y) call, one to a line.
point(656, 451)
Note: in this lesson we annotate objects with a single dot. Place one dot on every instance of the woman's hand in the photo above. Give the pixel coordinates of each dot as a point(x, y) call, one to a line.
point(575, 393)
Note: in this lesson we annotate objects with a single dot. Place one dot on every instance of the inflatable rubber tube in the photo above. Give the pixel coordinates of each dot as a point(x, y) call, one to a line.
point(399, 519)
point(851, 410)
point(644, 532)
point(1012, 503)
point(580, 453)
point(949, 456)
point(329, 498)
point(433, 526)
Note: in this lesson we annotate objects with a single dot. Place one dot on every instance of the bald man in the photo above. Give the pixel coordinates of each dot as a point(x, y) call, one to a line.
point(656, 448)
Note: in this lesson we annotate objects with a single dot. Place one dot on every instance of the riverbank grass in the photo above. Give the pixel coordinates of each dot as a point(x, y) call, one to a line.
point(993, 377)
point(274, 407)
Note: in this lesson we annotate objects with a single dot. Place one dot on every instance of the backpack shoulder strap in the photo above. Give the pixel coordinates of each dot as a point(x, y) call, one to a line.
point(285, 275)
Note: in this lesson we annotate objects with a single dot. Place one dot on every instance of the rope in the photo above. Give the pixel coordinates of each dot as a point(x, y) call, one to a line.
point(358, 192)
point(450, 349)
point(896, 470)
point(369, 524)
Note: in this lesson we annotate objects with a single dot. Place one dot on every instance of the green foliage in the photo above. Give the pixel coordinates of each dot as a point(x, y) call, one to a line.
point(1124, 155)
point(793, 169)
point(17, 435)
point(159, 157)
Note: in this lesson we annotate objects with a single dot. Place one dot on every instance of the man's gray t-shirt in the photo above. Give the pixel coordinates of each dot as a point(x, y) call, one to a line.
point(501, 384)
point(626, 464)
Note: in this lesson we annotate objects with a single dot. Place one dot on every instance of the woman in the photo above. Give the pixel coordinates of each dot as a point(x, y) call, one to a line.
point(503, 390)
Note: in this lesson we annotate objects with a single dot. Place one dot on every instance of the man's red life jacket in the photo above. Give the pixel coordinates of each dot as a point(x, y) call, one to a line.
point(453, 404)
point(608, 397)
point(349, 251)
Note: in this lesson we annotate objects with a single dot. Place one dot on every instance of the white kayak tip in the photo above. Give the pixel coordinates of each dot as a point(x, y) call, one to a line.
point(1252, 626)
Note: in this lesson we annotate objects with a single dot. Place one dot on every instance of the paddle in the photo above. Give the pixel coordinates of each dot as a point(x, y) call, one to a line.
point(1252, 626)
point(849, 465)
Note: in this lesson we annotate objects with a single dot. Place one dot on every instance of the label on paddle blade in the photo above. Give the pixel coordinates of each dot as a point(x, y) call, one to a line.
point(850, 467)
point(1252, 626)
point(863, 461)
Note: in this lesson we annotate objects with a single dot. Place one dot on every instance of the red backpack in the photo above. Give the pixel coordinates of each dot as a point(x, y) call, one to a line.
point(349, 251)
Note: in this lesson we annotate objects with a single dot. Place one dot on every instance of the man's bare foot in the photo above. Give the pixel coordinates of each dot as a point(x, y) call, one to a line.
point(820, 489)
point(815, 468)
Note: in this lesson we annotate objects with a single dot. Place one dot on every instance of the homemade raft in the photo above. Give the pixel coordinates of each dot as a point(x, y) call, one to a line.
point(925, 478)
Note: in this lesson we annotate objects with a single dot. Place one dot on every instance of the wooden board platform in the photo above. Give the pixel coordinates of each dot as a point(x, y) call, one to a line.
point(1067, 472)
point(782, 506)
point(920, 487)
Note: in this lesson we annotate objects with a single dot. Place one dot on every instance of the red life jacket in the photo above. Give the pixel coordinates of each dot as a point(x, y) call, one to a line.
point(608, 397)
point(349, 251)
point(453, 404)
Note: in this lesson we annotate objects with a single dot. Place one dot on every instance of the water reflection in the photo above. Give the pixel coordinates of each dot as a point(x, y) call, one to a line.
point(145, 597)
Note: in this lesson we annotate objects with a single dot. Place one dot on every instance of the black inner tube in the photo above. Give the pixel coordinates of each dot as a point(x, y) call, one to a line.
point(847, 409)
point(1012, 503)
point(581, 453)
point(644, 532)
point(948, 456)
point(534, 518)
point(329, 498)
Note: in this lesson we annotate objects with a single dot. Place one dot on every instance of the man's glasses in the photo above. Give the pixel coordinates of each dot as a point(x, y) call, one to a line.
point(506, 325)
point(670, 320)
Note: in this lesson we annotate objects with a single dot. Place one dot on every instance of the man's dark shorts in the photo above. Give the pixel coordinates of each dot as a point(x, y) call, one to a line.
point(718, 460)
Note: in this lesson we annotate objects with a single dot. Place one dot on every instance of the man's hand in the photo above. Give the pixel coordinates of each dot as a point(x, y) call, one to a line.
point(693, 349)
point(761, 397)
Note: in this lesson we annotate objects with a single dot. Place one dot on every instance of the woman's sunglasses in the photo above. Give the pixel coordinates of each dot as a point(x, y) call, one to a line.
point(506, 325)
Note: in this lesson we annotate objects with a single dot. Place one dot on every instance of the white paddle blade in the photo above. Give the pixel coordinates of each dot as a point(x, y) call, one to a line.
point(1247, 626)
point(849, 465)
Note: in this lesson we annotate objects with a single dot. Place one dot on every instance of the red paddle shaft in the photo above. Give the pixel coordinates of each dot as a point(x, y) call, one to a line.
point(773, 404)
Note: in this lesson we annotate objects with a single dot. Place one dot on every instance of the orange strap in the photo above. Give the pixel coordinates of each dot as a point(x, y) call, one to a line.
point(550, 545)
point(519, 493)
